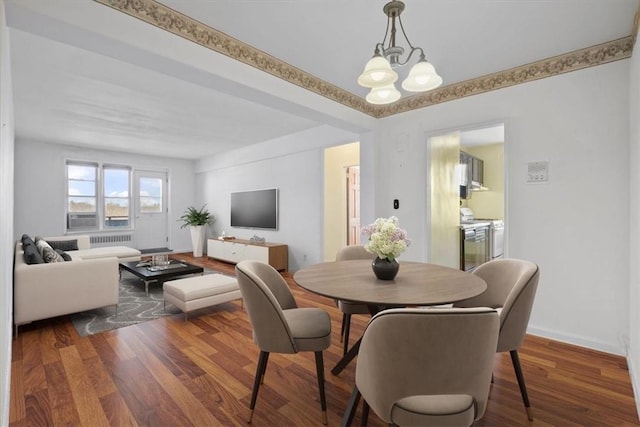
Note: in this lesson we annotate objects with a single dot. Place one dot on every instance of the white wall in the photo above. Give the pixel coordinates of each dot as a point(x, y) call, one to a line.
point(576, 226)
point(633, 357)
point(6, 219)
point(293, 164)
point(40, 186)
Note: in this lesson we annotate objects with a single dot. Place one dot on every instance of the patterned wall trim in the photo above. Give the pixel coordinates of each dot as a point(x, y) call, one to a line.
point(595, 55)
point(163, 17)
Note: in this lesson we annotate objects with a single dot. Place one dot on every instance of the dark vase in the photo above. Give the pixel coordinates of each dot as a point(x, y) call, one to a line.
point(385, 269)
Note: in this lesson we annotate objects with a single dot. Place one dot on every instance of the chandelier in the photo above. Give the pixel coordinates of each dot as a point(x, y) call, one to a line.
point(379, 75)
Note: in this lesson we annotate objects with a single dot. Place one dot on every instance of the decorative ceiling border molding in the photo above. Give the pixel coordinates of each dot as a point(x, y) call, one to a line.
point(161, 16)
point(577, 60)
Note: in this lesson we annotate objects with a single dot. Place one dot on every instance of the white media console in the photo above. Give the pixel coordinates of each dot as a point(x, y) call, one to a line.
point(236, 250)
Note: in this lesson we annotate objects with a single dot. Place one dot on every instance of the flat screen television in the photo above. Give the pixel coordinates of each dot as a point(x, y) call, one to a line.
point(255, 209)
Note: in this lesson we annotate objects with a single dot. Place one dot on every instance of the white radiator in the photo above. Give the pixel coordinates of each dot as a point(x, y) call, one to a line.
point(110, 239)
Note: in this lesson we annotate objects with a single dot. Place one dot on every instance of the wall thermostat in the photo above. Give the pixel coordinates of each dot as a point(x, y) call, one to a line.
point(537, 172)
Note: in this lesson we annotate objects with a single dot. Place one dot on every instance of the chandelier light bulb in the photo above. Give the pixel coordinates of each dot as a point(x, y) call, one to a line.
point(383, 95)
point(377, 73)
point(421, 78)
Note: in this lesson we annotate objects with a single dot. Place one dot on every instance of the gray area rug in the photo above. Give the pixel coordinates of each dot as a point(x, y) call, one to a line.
point(134, 307)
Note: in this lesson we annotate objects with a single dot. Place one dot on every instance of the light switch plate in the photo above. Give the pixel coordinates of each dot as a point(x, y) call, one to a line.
point(537, 172)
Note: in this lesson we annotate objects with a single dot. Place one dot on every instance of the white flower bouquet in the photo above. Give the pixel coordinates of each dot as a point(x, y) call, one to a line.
point(386, 239)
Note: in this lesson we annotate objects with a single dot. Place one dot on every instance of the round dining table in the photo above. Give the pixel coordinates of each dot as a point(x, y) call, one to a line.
point(416, 284)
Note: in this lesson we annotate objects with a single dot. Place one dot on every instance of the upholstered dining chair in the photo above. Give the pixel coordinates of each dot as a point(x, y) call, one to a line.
point(279, 326)
point(348, 308)
point(511, 288)
point(426, 367)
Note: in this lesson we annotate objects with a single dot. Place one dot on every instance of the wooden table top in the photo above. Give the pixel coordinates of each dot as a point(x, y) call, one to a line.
point(416, 283)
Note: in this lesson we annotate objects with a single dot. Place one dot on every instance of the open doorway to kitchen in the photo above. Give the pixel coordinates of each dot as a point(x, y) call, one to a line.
point(466, 200)
point(482, 198)
point(341, 198)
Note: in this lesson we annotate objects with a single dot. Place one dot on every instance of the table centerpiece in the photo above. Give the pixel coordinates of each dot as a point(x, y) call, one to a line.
point(387, 241)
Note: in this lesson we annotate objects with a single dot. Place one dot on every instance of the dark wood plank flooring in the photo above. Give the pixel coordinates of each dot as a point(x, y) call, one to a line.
point(169, 372)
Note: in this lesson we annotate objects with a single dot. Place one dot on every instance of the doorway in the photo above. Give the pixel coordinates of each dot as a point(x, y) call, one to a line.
point(341, 198)
point(483, 192)
point(151, 210)
point(353, 205)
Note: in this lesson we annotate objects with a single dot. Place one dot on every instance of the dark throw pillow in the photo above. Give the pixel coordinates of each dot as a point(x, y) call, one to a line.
point(65, 245)
point(63, 254)
point(31, 254)
point(50, 255)
point(26, 240)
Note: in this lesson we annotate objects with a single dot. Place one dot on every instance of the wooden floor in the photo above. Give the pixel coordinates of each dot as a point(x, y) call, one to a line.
point(169, 372)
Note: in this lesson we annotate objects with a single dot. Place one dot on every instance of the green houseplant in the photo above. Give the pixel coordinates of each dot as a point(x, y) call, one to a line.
point(194, 217)
point(197, 220)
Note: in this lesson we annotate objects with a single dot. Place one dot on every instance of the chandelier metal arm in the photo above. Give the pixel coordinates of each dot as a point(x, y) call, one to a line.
point(386, 33)
point(413, 49)
point(404, 33)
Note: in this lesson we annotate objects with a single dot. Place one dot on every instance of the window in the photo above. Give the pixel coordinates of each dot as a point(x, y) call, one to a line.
point(97, 196)
point(81, 196)
point(116, 197)
point(150, 195)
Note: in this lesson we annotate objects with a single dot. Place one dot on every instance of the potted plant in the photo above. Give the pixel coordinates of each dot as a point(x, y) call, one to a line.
point(197, 221)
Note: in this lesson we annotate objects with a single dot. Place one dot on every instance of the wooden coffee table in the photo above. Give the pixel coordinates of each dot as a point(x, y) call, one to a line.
point(149, 274)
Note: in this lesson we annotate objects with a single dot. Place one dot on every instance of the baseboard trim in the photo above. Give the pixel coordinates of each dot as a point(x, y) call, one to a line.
point(578, 340)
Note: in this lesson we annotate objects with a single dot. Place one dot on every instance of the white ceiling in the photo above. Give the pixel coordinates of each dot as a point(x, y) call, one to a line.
point(80, 86)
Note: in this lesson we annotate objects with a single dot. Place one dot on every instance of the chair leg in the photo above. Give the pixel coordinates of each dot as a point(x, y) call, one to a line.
point(365, 413)
point(320, 370)
point(262, 366)
point(352, 405)
point(344, 320)
point(347, 329)
point(523, 387)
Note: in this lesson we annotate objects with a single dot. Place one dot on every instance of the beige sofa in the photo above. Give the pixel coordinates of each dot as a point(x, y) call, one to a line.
point(88, 281)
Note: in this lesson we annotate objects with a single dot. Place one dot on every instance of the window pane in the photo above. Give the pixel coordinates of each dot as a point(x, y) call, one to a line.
point(82, 188)
point(116, 197)
point(83, 173)
point(150, 195)
point(151, 187)
point(116, 182)
point(150, 204)
point(116, 212)
point(82, 204)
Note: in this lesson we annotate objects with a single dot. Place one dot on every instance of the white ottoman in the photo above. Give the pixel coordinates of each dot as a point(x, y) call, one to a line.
point(197, 292)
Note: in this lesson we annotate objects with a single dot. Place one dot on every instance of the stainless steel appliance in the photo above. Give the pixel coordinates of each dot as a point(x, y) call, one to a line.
point(472, 230)
point(474, 245)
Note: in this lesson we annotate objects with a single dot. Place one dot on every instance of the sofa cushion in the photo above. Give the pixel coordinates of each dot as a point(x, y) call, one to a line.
point(65, 245)
point(121, 252)
point(65, 256)
point(31, 254)
point(41, 244)
point(50, 255)
point(26, 239)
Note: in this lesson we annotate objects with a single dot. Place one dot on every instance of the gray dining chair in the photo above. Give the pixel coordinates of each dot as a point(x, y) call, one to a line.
point(426, 367)
point(511, 288)
point(348, 308)
point(279, 326)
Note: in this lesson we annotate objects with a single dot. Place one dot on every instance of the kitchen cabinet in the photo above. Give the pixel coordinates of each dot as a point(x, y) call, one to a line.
point(471, 174)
